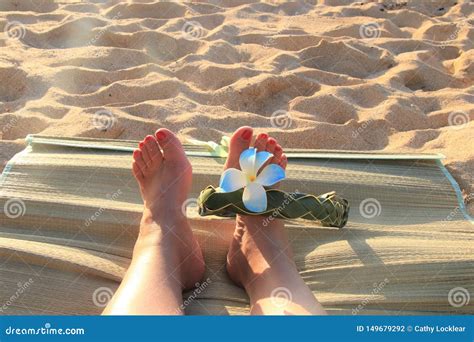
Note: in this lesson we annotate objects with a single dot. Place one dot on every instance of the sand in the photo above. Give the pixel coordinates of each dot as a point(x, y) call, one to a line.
point(385, 76)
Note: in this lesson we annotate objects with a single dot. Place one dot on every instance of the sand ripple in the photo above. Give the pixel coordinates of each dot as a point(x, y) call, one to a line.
point(369, 75)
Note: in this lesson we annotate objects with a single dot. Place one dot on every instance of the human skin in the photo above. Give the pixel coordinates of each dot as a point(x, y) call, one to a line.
point(167, 258)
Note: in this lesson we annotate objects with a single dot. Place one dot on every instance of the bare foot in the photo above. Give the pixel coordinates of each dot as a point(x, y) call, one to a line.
point(165, 175)
point(260, 257)
point(245, 259)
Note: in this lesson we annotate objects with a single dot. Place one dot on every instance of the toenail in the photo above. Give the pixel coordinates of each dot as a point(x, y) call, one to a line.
point(161, 135)
point(247, 134)
point(148, 138)
point(278, 148)
point(141, 144)
point(263, 136)
point(272, 141)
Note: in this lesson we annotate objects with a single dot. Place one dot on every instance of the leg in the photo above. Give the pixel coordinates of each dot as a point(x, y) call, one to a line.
point(260, 257)
point(166, 258)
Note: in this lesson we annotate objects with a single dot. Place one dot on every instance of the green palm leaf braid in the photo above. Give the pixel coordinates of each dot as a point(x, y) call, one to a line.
point(328, 208)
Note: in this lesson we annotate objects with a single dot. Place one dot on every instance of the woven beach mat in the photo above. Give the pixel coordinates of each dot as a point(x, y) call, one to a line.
point(70, 212)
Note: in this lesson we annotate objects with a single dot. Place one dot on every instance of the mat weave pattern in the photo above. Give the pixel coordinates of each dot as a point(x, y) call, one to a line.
point(71, 210)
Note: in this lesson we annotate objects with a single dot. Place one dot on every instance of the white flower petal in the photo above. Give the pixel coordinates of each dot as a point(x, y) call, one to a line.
point(232, 179)
point(247, 161)
point(270, 175)
point(255, 198)
point(261, 158)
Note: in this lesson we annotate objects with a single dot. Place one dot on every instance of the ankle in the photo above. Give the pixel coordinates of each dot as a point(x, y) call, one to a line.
point(263, 271)
point(155, 231)
point(163, 216)
point(251, 223)
point(153, 219)
point(261, 264)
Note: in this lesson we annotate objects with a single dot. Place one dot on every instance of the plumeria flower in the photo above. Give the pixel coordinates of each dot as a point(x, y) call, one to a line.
point(254, 197)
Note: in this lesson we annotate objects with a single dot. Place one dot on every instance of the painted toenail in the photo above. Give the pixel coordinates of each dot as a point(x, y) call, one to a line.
point(278, 148)
point(161, 135)
point(148, 138)
point(272, 142)
point(141, 145)
point(247, 134)
point(263, 136)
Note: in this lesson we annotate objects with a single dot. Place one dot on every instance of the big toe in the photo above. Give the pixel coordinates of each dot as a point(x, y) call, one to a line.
point(170, 144)
point(239, 142)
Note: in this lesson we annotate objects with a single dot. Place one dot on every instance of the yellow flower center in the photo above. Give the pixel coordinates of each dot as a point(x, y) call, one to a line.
point(252, 178)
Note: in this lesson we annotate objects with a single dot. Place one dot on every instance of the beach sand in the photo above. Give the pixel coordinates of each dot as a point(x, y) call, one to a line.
point(334, 74)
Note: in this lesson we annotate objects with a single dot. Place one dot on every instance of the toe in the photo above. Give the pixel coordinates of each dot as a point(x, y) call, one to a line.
point(277, 154)
point(137, 172)
point(283, 161)
point(170, 144)
point(144, 153)
point(138, 159)
point(239, 142)
point(271, 145)
point(261, 141)
point(152, 148)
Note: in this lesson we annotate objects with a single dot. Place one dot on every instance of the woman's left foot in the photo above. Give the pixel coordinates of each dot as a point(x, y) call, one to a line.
point(164, 175)
point(254, 243)
point(260, 257)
